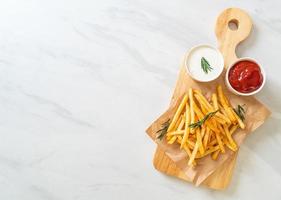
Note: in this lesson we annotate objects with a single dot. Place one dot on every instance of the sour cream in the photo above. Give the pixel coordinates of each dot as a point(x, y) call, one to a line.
point(211, 55)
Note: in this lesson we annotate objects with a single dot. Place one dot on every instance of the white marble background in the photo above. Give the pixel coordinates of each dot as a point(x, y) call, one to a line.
point(81, 80)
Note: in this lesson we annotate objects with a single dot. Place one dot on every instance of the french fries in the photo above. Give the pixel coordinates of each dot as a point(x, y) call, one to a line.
point(225, 104)
point(206, 138)
point(178, 112)
point(220, 142)
point(215, 101)
point(191, 105)
point(199, 134)
point(172, 140)
point(186, 128)
point(204, 128)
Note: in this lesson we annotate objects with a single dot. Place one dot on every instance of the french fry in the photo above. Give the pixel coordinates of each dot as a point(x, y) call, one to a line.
point(222, 110)
point(181, 124)
point(215, 155)
point(223, 100)
point(187, 122)
point(177, 123)
point(178, 112)
point(191, 144)
point(198, 112)
point(203, 109)
point(229, 111)
point(209, 151)
point(215, 101)
point(187, 150)
point(225, 104)
point(169, 137)
point(191, 105)
point(203, 105)
point(233, 129)
point(203, 131)
point(199, 140)
point(193, 154)
point(229, 145)
point(213, 136)
point(172, 140)
point(228, 136)
point(224, 113)
point(223, 117)
point(203, 100)
point(219, 120)
point(180, 132)
point(221, 129)
point(240, 122)
point(206, 137)
point(220, 142)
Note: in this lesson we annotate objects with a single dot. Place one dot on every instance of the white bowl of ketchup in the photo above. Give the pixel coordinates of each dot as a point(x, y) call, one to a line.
point(245, 77)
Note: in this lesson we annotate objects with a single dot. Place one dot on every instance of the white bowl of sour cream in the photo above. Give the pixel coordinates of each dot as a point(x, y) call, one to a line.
point(204, 63)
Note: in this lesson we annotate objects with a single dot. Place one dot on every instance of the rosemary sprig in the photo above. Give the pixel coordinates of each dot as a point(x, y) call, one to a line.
point(162, 132)
point(205, 65)
point(201, 122)
point(240, 112)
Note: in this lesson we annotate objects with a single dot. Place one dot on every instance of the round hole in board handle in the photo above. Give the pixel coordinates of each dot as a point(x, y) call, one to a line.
point(233, 24)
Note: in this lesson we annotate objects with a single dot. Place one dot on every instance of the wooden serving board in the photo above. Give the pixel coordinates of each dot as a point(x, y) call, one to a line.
point(227, 41)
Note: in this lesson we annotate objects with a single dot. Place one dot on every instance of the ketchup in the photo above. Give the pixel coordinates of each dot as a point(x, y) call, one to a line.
point(245, 76)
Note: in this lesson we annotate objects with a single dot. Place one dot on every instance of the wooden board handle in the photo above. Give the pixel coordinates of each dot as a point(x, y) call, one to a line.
point(229, 38)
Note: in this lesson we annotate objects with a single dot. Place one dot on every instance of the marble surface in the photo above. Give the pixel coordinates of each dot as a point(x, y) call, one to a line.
point(81, 80)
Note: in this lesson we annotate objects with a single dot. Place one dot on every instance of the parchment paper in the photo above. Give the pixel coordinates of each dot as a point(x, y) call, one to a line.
point(256, 114)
